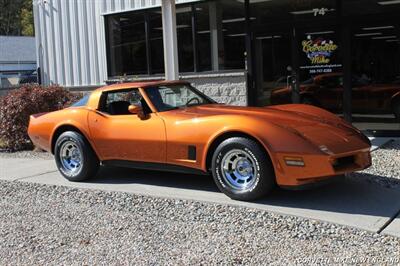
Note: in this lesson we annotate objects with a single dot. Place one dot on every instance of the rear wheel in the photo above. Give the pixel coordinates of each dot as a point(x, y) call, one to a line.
point(74, 157)
point(242, 170)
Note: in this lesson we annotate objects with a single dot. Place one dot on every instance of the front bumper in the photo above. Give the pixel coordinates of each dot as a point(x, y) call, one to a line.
point(318, 168)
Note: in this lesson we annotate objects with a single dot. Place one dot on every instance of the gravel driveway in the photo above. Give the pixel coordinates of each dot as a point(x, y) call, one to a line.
point(385, 169)
point(55, 225)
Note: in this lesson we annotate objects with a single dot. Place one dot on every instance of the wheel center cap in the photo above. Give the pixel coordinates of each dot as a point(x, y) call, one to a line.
point(244, 168)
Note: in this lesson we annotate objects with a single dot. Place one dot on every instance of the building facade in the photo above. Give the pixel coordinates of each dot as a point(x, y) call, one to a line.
point(342, 55)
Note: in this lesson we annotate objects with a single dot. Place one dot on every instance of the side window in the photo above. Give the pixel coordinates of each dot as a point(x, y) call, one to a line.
point(82, 102)
point(118, 102)
point(178, 95)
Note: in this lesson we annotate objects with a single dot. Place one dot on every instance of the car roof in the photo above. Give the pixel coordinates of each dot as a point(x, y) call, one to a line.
point(144, 85)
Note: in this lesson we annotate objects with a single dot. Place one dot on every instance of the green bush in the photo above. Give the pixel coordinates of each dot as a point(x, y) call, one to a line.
point(19, 104)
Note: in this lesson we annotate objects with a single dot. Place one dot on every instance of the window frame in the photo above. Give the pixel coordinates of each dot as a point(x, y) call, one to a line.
point(146, 12)
point(190, 87)
point(102, 106)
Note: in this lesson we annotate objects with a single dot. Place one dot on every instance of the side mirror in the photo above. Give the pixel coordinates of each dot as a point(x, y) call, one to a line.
point(137, 110)
point(134, 109)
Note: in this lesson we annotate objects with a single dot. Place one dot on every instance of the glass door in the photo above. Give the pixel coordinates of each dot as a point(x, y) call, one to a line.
point(295, 44)
point(274, 58)
point(376, 76)
point(375, 64)
point(320, 67)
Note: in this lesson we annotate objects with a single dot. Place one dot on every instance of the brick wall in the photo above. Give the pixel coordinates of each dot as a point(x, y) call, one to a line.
point(228, 88)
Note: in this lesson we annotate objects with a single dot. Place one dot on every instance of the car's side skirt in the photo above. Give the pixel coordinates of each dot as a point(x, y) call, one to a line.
point(154, 167)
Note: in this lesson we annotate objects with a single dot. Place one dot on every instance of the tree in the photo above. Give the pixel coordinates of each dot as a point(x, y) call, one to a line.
point(16, 17)
point(27, 28)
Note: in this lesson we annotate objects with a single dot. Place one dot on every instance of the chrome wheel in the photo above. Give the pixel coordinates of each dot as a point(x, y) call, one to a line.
point(71, 157)
point(239, 169)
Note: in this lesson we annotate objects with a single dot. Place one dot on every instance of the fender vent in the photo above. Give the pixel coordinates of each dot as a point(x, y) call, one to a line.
point(192, 153)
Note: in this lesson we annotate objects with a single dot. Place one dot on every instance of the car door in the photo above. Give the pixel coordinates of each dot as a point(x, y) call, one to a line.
point(119, 135)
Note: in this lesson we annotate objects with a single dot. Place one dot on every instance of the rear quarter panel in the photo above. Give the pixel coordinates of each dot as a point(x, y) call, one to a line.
point(42, 127)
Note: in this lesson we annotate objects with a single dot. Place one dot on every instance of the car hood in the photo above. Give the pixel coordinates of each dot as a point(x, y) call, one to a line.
point(325, 132)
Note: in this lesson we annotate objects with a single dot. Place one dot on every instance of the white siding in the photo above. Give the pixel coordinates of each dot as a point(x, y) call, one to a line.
point(70, 38)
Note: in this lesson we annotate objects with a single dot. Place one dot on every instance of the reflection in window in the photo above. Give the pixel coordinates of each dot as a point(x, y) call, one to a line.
point(234, 33)
point(185, 40)
point(126, 44)
point(376, 75)
point(203, 37)
point(135, 39)
point(156, 42)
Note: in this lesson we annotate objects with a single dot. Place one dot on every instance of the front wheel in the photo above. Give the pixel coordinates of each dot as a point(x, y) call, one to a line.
point(74, 157)
point(242, 169)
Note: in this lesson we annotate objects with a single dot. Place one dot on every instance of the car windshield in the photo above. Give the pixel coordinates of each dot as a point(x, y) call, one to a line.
point(170, 97)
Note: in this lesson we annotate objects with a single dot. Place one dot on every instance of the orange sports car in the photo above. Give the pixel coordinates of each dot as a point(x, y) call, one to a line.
point(171, 126)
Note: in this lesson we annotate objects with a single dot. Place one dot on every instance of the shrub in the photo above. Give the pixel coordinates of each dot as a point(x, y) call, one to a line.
point(19, 104)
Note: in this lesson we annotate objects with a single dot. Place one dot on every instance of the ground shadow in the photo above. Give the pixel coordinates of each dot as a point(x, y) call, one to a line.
point(117, 175)
point(355, 194)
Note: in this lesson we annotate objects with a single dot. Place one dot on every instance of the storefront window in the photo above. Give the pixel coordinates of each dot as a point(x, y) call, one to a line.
point(375, 64)
point(234, 33)
point(203, 37)
point(299, 47)
point(126, 44)
point(185, 38)
point(156, 42)
point(135, 41)
point(302, 47)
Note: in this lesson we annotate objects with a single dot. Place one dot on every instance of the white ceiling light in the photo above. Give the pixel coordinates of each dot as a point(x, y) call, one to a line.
point(393, 2)
point(311, 11)
point(236, 20)
point(320, 32)
point(302, 12)
point(254, 1)
point(237, 35)
point(269, 37)
point(203, 32)
point(384, 37)
point(379, 28)
point(368, 34)
point(396, 40)
point(177, 26)
point(182, 10)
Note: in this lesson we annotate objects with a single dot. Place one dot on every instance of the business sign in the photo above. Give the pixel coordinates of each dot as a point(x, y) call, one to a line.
point(320, 53)
point(320, 50)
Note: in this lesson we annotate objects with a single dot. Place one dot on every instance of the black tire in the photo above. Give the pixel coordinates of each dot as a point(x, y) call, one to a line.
point(263, 180)
point(89, 162)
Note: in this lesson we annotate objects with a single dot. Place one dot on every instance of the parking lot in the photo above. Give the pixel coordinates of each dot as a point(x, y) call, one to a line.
point(126, 216)
point(357, 200)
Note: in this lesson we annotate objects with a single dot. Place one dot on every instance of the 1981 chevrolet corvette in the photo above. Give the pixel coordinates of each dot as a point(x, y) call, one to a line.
point(172, 126)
